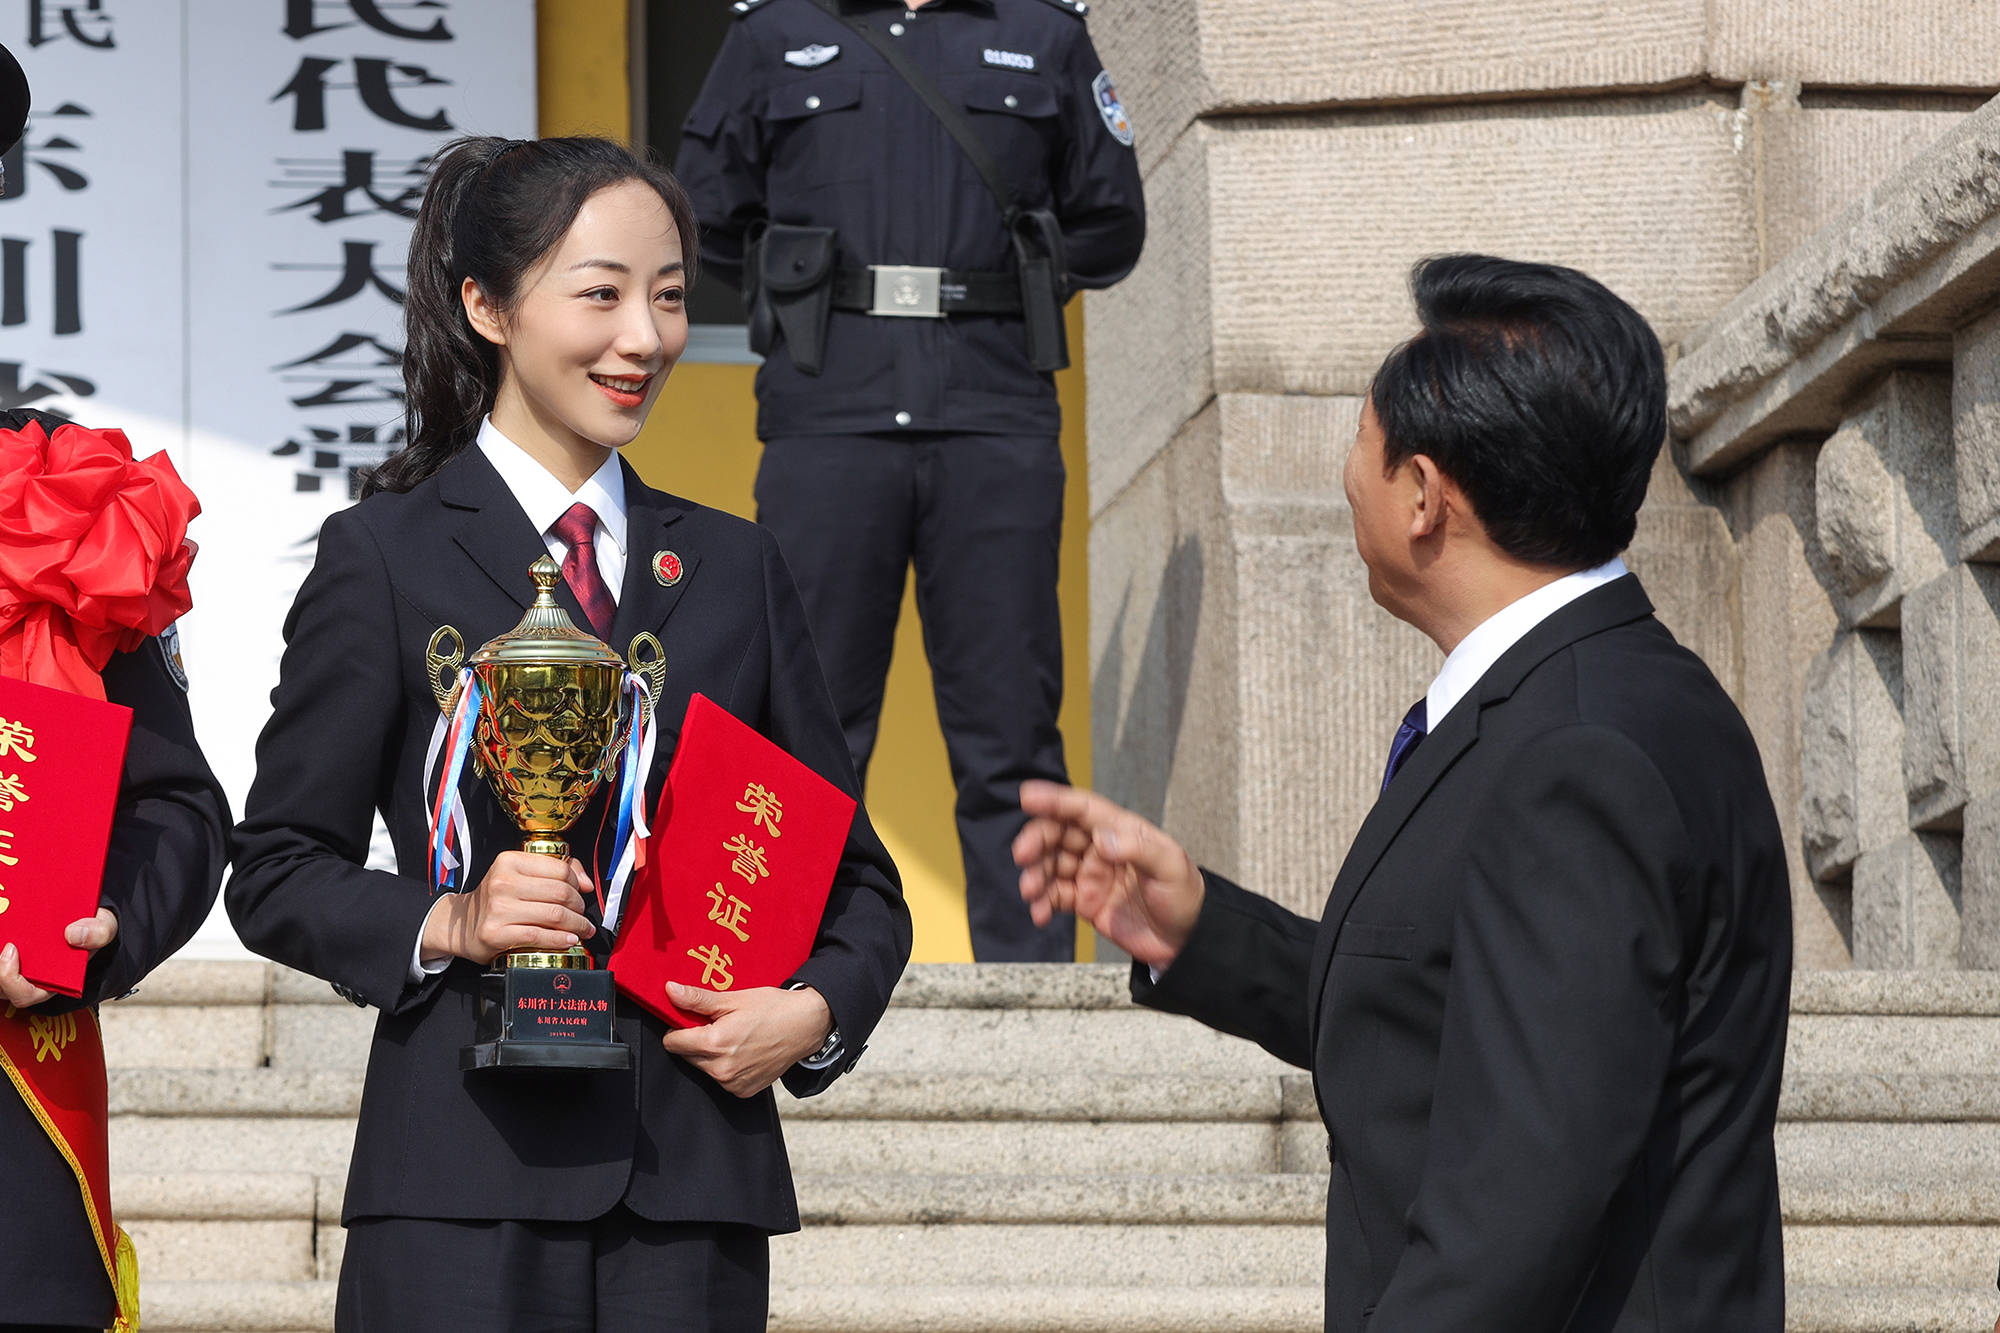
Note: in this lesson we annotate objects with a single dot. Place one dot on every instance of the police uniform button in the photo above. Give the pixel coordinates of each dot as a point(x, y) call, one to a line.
point(812, 103)
point(902, 418)
point(1010, 101)
point(895, 30)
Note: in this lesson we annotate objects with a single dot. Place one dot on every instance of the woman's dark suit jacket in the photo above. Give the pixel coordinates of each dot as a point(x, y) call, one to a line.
point(353, 717)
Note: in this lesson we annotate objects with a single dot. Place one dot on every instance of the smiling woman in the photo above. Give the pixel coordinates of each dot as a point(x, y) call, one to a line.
point(546, 309)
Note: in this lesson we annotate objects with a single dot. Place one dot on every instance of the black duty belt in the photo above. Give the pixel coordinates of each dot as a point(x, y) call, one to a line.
point(908, 291)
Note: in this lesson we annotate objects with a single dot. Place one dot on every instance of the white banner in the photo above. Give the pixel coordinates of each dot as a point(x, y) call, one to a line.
point(252, 169)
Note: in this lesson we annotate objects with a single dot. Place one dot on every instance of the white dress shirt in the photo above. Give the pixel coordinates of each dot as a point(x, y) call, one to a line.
point(1478, 651)
point(546, 500)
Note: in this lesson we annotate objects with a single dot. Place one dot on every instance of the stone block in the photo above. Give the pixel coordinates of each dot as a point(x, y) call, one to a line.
point(1788, 620)
point(1822, 151)
point(1851, 742)
point(1040, 1256)
point(944, 1148)
point(320, 1036)
point(1684, 554)
point(1885, 495)
point(1279, 255)
point(1149, 341)
point(238, 1307)
point(1887, 1256)
point(1892, 1044)
point(1856, 43)
point(1906, 903)
point(175, 1144)
point(266, 1251)
point(1192, 58)
point(1951, 671)
point(1130, 1041)
point(183, 1036)
point(806, 1303)
point(1908, 1154)
point(1979, 883)
point(883, 1198)
point(1975, 435)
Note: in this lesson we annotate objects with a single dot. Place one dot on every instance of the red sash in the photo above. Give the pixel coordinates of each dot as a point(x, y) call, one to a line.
point(57, 1065)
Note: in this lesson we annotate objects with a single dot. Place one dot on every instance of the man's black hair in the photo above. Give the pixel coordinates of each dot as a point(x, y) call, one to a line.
point(1536, 390)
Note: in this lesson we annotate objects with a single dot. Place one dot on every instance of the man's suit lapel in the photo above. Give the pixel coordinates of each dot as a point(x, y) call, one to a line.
point(644, 602)
point(1616, 603)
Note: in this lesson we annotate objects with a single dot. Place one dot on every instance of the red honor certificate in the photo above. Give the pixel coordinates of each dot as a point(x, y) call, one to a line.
point(742, 855)
point(61, 755)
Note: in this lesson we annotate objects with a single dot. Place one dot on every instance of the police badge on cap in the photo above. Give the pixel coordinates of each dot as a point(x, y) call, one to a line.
point(13, 103)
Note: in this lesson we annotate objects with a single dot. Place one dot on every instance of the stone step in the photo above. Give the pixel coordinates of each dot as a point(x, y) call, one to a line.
point(1037, 1096)
point(1018, 1018)
point(307, 1307)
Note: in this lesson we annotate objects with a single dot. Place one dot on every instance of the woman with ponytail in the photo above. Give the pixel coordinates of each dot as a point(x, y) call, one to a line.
point(547, 282)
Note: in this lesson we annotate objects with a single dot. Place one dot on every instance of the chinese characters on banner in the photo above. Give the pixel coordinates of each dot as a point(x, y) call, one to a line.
point(207, 250)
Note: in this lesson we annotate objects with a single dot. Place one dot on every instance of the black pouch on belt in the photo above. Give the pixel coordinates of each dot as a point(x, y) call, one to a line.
point(794, 291)
point(1038, 255)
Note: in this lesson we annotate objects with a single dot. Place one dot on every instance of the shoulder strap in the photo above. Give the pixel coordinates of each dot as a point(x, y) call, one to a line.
point(942, 107)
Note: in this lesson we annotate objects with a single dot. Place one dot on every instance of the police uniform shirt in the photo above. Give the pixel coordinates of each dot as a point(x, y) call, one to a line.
point(802, 122)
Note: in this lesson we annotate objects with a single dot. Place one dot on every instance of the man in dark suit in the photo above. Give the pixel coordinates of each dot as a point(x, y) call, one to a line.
point(1545, 1007)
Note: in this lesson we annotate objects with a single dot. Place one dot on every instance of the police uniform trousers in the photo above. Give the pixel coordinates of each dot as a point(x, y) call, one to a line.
point(980, 516)
point(51, 1275)
point(618, 1274)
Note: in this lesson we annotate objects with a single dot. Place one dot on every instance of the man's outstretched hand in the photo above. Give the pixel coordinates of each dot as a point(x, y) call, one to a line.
point(1079, 853)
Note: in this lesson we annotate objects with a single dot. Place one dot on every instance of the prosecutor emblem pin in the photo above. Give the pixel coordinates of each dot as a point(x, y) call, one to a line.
point(667, 568)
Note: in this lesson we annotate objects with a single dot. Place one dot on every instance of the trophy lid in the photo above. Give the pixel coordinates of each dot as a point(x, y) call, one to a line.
point(546, 634)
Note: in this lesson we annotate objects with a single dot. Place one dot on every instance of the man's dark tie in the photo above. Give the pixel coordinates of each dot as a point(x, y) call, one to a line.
point(1408, 736)
point(577, 529)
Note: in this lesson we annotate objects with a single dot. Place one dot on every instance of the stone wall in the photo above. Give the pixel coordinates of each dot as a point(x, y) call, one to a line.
point(1298, 157)
point(1847, 409)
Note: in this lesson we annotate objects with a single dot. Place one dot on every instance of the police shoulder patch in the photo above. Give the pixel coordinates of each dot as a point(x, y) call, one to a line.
point(1075, 8)
point(170, 650)
point(1109, 107)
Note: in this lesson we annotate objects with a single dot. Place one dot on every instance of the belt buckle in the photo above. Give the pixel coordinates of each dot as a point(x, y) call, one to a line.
point(907, 291)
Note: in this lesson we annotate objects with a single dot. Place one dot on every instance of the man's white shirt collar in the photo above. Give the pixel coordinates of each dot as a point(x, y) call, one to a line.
point(1478, 651)
point(545, 499)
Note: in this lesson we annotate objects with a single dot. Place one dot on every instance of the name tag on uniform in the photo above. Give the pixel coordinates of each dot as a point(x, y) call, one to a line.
point(808, 57)
point(1009, 59)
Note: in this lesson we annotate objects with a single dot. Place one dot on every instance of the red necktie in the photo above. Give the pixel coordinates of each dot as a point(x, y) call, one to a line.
point(577, 529)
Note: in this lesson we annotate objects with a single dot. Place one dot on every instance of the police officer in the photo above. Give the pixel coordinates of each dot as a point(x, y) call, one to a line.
point(907, 196)
point(160, 876)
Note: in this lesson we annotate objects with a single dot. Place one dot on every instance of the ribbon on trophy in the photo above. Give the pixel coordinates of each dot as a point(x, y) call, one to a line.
point(450, 844)
point(631, 800)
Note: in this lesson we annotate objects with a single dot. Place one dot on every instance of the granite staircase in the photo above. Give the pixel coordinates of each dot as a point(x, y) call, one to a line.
point(1022, 1151)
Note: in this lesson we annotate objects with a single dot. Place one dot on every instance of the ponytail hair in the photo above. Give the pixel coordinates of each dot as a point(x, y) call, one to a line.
point(493, 210)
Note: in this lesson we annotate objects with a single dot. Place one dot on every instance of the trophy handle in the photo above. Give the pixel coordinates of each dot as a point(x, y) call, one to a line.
point(442, 667)
point(653, 666)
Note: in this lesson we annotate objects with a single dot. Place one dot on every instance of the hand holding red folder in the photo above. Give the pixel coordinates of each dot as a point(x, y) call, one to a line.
point(742, 856)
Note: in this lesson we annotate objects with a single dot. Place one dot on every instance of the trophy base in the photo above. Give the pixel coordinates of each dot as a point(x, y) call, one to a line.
point(545, 1016)
point(520, 1054)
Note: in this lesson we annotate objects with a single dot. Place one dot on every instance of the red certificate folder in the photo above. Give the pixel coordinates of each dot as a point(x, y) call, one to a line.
point(61, 755)
point(742, 855)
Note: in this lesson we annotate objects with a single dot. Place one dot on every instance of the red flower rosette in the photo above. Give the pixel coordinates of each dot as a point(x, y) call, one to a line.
point(94, 553)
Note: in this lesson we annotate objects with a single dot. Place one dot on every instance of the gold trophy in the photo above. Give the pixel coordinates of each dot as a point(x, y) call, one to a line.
point(553, 717)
